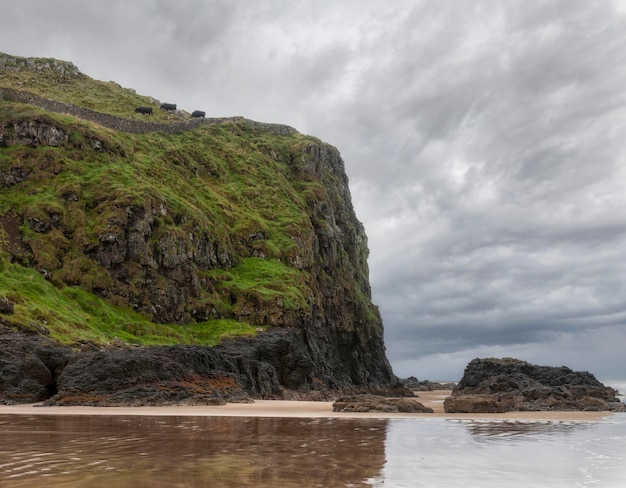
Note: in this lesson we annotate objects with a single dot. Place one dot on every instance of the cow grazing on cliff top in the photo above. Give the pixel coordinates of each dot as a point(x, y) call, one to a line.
point(144, 110)
point(198, 113)
point(168, 106)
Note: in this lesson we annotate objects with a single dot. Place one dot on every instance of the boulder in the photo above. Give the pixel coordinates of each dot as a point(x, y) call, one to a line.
point(413, 384)
point(375, 403)
point(6, 306)
point(505, 385)
point(29, 366)
point(162, 375)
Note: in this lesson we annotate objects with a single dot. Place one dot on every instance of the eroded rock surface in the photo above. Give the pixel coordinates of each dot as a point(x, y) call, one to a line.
point(375, 403)
point(505, 385)
point(276, 365)
point(413, 384)
point(29, 367)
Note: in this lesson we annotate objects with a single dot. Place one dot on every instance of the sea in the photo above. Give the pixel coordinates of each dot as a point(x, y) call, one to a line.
point(171, 451)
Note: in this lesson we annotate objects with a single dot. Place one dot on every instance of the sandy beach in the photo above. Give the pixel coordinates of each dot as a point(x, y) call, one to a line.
point(295, 409)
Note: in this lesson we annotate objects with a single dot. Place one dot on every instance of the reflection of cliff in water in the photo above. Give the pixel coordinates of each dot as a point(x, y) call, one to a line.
point(509, 428)
point(190, 451)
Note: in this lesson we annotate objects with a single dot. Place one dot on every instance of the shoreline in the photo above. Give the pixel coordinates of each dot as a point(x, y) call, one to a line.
point(301, 409)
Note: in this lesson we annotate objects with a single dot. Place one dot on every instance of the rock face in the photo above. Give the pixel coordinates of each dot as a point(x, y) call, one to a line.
point(274, 365)
point(29, 367)
point(15, 63)
point(413, 384)
point(190, 375)
point(31, 133)
point(505, 385)
point(374, 403)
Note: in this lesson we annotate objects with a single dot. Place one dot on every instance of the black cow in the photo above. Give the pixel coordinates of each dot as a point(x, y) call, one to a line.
point(168, 106)
point(144, 110)
point(198, 113)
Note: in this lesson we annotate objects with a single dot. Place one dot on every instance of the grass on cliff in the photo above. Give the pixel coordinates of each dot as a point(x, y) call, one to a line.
point(268, 280)
point(230, 181)
point(72, 315)
point(240, 186)
point(215, 177)
point(81, 90)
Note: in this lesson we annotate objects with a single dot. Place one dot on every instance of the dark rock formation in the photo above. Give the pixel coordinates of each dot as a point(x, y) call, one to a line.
point(32, 133)
point(29, 366)
point(190, 375)
point(34, 368)
point(413, 384)
point(375, 403)
point(145, 254)
point(505, 385)
point(6, 306)
point(274, 365)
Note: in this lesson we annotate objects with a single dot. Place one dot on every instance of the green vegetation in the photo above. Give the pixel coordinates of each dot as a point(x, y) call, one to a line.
point(81, 90)
point(269, 280)
point(71, 314)
point(209, 177)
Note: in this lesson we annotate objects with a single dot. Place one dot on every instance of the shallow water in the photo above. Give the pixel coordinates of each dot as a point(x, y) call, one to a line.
point(464, 453)
point(97, 451)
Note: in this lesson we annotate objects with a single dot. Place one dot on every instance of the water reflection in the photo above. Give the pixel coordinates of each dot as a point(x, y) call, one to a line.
point(510, 428)
point(189, 451)
point(495, 453)
point(133, 451)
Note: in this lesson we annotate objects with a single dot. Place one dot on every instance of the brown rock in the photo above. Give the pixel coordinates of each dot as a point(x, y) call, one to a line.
point(374, 403)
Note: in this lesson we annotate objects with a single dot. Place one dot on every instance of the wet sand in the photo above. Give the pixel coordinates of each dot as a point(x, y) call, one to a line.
point(295, 409)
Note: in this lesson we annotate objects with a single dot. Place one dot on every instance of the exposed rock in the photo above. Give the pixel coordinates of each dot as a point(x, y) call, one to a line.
point(306, 361)
point(336, 345)
point(29, 366)
point(413, 384)
point(161, 376)
point(374, 403)
point(14, 63)
point(276, 366)
point(32, 133)
point(6, 305)
point(505, 385)
point(34, 368)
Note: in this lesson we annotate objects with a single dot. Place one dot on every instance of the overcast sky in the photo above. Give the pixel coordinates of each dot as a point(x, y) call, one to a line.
point(485, 143)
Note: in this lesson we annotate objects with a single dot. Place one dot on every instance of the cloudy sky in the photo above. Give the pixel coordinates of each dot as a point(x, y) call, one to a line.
point(485, 142)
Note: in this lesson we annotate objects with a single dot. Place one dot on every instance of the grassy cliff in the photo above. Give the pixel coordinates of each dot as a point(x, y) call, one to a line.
point(155, 238)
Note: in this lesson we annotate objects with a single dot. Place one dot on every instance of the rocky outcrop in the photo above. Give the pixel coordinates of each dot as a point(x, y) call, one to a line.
point(15, 63)
point(35, 368)
point(29, 366)
point(374, 403)
point(32, 133)
point(189, 375)
point(505, 385)
point(413, 384)
point(6, 306)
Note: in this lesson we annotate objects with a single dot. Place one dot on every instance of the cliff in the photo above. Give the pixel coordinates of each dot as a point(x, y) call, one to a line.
point(172, 259)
